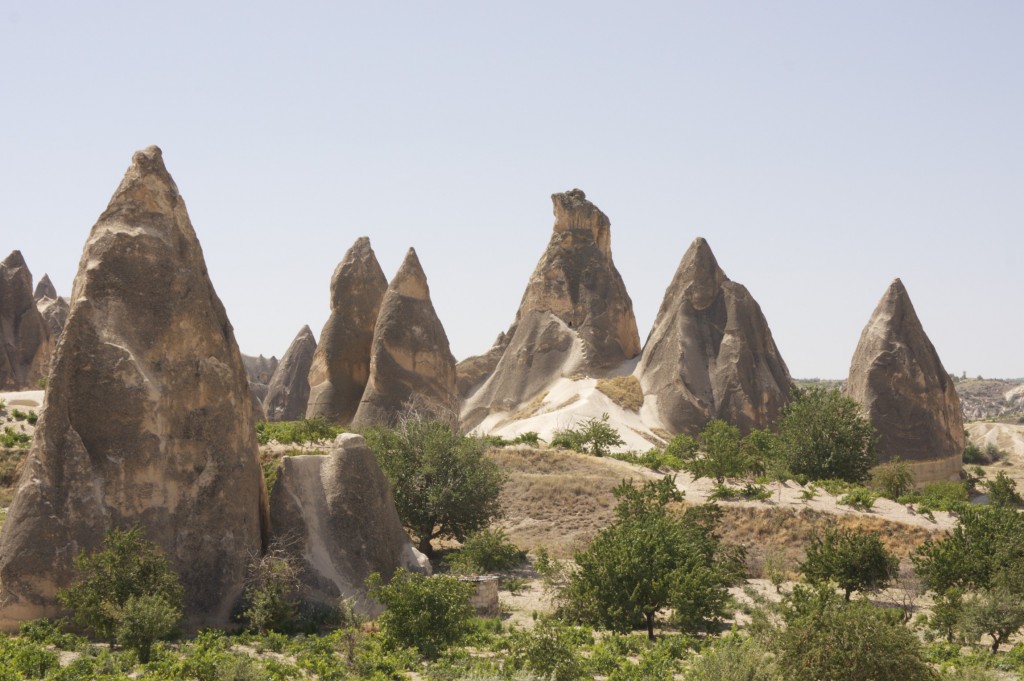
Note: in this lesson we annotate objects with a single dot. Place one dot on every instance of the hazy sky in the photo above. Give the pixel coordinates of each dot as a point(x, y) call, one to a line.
point(822, 148)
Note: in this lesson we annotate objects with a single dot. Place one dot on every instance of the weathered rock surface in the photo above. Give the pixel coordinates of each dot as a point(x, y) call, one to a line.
point(335, 515)
point(341, 364)
point(44, 289)
point(710, 354)
point(146, 419)
point(25, 344)
point(52, 307)
point(575, 318)
point(288, 391)
point(410, 360)
point(897, 376)
point(259, 370)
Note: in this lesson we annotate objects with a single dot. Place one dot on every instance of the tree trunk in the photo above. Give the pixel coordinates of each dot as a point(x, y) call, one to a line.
point(996, 639)
point(424, 546)
point(649, 616)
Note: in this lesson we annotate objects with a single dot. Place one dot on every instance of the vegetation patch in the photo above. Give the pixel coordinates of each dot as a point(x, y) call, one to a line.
point(624, 391)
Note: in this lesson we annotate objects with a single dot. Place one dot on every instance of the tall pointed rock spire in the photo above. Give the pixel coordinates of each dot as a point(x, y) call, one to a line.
point(341, 363)
point(897, 376)
point(147, 418)
point(710, 353)
point(288, 391)
point(575, 318)
point(411, 363)
point(26, 345)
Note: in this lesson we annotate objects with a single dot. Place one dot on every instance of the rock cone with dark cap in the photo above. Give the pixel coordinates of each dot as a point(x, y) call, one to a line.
point(334, 515)
point(897, 377)
point(410, 361)
point(710, 354)
point(25, 344)
point(52, 307)
point(146, 420)
point(341, 364)
point(575, 318)
point(288, 391)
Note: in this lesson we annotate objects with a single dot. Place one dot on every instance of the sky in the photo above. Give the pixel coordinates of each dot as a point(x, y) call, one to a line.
point(822, 149)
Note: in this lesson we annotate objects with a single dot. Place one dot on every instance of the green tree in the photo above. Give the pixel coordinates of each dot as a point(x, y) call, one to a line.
point(721, 454)
point(443, 484)
point(426, 613)
point(650, 559)
point(853, 559)
point(824, 638)
point(822, 434)
point(1002, 491)
point(977, 574)
point(271, 591)
point(126, 592)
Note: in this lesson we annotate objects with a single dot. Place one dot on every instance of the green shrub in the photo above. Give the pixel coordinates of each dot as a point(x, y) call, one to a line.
point(939, 496)
point(1002, 491)
point(313, 430)
point(892, 479)
point(860, 498)
point(12, 438)
point(116, 593)
point(486, 551)
point(426, 613)
point(530, 437)
point(594, 436)
point(733, 658)
point(853, 559)
point(25, 659)
point(749, 491)
point(271, 598)
point(550, 650)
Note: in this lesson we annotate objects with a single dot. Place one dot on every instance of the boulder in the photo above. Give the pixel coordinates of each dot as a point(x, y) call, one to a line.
point(146, 420)
point(710, 354)
point(288, 391)
point(335, 517)
point(25, 343)
point(575, 318)
point(341, 363)
point(898, 378)
point(411, 364)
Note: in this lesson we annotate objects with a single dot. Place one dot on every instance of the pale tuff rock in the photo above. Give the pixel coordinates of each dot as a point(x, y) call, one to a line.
point(897, 376)
point(146, 420)
point(288, 391)
point(52, 307)
point(575, 318)
point(44, 289)
point(335, 516)
point(410, 360)
point(710, 354)
point(341, 364)
point(25, 343)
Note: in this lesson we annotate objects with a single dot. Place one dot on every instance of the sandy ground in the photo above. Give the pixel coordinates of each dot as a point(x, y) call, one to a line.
point(1005, 436)
point(29, 399)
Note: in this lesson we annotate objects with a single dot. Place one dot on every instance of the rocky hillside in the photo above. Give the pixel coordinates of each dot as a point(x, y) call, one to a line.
point(992, 399)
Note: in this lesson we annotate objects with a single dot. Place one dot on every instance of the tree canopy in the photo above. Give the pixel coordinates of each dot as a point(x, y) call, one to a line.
point(443, 484)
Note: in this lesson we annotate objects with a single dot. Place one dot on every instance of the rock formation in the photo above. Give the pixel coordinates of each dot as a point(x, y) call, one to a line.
point(335, 516)
point(341, 364)
point(52, 307)
point(259, 370)
point(45, 289)
point(288, 391)
point(897, 377)
point(575, 318)
point(410, 361)
point(710, 354)
point(146, 419)
point(25, 344)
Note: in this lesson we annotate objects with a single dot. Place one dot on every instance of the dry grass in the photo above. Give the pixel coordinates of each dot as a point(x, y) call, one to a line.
point(624, 391)
point(572, 400)
point(558, 499)
point(531, 408)
point(786, 533)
